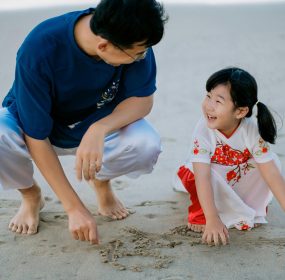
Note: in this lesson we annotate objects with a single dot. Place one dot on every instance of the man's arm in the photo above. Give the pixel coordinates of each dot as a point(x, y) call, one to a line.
point(90, 150)
point(81, 223)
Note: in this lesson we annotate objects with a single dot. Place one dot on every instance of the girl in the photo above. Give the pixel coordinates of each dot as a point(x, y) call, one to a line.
point(231, 171)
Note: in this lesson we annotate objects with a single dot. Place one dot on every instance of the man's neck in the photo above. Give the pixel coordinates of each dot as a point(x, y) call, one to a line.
point(84, 37)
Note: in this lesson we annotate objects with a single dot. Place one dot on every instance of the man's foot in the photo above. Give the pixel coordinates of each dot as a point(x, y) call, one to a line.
point(196, 228)
point(108, 204)
point(26, 220)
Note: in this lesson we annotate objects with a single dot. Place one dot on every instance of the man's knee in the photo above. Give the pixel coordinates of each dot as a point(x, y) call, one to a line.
point(8, 134)
point(145, 146)
point(16, 166)
point(11, 136)
point(9, 127)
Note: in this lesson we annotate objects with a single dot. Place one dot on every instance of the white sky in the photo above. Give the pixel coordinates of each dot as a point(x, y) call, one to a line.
point(27, 4)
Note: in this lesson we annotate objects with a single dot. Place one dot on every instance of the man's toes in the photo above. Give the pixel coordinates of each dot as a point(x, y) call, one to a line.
point(32, 229)
point(14, 228)
point(19, 229)
point(112, 215)
point(11, 225)
point(25, 229)
point(119, 217)
point(117, 214)
point(124, 213)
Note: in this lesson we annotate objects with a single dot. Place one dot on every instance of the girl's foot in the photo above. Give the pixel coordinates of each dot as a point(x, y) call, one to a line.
point(108, 204)
point(196, 228)
point(257, 225)
point(26, 220)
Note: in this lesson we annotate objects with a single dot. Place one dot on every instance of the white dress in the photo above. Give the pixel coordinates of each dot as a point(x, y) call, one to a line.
point(240, 193)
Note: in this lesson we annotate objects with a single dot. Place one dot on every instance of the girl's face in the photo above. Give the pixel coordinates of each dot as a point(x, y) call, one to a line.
point(219, 110)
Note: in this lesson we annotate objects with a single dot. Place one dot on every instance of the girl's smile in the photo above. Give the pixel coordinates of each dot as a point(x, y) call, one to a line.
point(219, 110)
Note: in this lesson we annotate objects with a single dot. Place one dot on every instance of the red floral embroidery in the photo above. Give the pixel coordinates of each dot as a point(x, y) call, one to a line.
point(196, 149)
point(245, 227)
point(231, 175)
point(263, 147)
point(225, 155)
point(242, 225)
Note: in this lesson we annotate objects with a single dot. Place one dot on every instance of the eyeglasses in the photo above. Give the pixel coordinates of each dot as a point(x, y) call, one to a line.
point(137, 58)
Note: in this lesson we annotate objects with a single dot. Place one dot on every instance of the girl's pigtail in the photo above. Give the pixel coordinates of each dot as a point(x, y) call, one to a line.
point(266, 123)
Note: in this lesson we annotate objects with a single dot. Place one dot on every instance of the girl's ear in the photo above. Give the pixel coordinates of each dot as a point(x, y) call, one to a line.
point(241, 112)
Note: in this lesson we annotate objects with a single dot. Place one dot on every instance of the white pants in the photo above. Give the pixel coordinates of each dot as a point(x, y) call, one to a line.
point(132, 151)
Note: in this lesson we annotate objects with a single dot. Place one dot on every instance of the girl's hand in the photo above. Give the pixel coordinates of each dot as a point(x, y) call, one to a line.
point(215, 231)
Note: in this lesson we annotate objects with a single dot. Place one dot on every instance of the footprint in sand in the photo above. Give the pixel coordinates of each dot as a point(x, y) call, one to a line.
point(65, 249)
point(175, 278)
point(119, 185)
point(6, 203)
point(60, 217)
point(53, 218)
point(154, 203)
point(150, 216)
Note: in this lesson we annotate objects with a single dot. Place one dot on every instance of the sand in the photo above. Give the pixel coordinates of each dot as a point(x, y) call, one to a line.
point(153, 243)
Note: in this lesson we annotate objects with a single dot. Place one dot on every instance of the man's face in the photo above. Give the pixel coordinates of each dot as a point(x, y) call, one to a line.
point(115, 55)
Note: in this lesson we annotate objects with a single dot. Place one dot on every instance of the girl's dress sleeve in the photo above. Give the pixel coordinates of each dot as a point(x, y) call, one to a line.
point(259, 148)
point(200, 146)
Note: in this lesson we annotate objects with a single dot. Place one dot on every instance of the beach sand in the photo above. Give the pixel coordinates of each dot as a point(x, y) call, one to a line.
point(153, 243)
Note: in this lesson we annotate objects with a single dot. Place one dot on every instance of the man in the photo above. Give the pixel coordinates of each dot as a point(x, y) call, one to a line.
point(84, 82)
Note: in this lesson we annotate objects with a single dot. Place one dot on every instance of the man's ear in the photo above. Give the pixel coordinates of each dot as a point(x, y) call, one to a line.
point(102, 44)
point(241, 112)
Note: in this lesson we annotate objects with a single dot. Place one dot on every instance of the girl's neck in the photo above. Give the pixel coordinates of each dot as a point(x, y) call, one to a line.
point(231, 131)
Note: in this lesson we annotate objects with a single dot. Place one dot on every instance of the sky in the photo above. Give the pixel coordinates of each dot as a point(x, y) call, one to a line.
point(28, 4)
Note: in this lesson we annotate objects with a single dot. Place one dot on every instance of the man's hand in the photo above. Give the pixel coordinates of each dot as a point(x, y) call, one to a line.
point(81, 223)
point(215, 232)
point(90, 152)
point(82, 226)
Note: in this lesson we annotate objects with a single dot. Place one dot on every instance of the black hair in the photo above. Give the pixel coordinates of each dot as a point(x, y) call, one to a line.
point(243, 90)
point(125, 22)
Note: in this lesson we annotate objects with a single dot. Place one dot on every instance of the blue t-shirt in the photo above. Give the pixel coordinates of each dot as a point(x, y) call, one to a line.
point(59, 91)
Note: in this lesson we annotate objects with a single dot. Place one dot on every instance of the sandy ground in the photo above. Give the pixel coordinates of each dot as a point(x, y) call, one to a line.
point(153, 243)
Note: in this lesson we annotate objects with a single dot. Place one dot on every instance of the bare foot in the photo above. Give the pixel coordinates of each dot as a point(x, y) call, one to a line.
point(257, 225)
point(196, 228)
point(108, 204)
point(26, 220)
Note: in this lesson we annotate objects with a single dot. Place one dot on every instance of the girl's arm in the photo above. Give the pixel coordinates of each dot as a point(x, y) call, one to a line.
point(274, 180)
point(215, 230)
